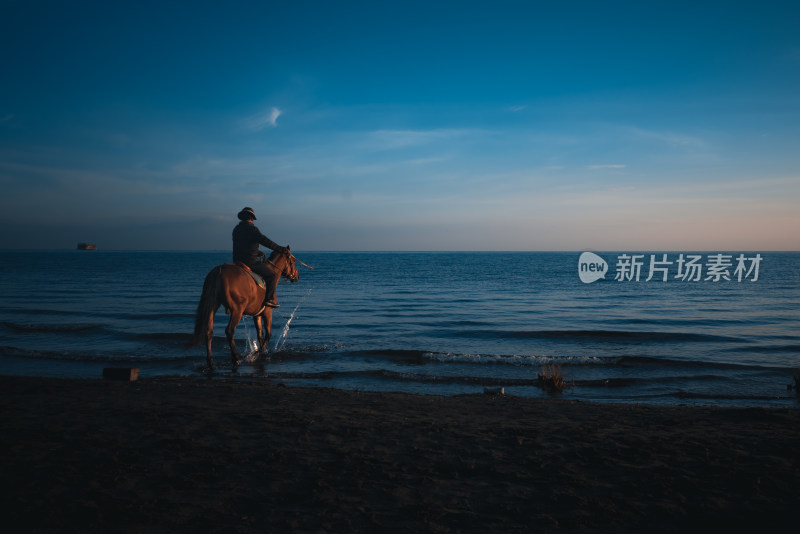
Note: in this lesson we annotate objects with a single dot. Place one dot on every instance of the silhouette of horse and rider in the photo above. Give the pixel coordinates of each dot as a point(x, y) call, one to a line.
point(233, 286)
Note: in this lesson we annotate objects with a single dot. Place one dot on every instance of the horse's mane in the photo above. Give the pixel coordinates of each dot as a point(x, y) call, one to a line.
point(274, 255)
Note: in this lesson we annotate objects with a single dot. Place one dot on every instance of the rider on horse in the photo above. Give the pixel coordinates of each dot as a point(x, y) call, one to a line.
point(246, 239)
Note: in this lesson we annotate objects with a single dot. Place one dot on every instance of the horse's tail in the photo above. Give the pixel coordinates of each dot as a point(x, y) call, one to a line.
point(208, 304)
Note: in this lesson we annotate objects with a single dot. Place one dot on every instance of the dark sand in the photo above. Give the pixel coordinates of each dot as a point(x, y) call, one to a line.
point(212, 456)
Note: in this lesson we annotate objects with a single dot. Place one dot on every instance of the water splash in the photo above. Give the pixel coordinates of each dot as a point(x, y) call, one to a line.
point(252, 343)
point(281, 339)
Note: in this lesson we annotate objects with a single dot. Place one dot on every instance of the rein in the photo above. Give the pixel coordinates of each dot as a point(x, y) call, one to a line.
point(301, 263)
point(267, 260)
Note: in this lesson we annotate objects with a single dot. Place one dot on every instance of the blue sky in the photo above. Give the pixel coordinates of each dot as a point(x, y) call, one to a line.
point(572, 125)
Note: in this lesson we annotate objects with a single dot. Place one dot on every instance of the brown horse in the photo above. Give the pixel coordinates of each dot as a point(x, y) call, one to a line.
point(231, 286)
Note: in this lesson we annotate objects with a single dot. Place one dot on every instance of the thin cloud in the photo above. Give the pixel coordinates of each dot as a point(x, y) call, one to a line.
point(395, 139)
point(606, 166)
point(517, 108)
point(669, 138)
point(260, 121)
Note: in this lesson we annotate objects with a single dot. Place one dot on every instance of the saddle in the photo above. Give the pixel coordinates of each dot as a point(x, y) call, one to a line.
point(259, 280)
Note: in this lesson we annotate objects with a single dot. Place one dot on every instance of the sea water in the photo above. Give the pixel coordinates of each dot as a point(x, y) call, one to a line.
point(427, 323)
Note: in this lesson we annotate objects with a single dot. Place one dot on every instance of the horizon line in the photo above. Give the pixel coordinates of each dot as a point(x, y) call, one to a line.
point(391, 251)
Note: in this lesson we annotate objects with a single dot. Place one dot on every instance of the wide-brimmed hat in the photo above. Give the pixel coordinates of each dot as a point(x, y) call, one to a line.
point(247, 214)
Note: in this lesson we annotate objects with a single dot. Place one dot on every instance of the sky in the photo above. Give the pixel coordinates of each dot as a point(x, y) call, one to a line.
point(383, 125)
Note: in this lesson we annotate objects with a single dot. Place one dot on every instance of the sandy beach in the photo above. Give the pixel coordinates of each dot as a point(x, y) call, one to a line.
point(213, 456)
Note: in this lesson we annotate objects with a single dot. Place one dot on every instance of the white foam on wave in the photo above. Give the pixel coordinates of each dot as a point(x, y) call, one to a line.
point(516, 359)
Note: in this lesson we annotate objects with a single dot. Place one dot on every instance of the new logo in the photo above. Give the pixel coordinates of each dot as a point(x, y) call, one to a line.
point(591, 267)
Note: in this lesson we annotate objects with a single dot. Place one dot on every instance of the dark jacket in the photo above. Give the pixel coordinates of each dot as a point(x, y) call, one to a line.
point(246, 239)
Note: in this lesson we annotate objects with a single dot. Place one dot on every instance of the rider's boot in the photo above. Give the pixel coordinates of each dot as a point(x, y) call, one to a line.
point(271, 299)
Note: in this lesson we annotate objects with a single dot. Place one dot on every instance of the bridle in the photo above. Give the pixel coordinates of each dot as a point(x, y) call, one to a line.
point(286, 272)
point(290, 273)
point(290, 259)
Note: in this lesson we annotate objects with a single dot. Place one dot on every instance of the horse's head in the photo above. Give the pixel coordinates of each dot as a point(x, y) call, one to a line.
point(285, 262)
point(290, 270)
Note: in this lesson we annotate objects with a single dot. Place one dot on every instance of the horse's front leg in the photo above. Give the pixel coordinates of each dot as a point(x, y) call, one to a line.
point(236, 316)
point(264, 328)
point(259, 334)
point(267, 317)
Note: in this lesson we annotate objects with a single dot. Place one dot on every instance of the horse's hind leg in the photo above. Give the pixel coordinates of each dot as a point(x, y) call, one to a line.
point(259, 334)
point(236, 316)
point(209, 337)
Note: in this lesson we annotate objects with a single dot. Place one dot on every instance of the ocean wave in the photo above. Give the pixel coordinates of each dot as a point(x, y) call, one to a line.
point(49, 328)
point(35, 311)
point(404, 355)
point(154, 316)
point(530, 381)
point(766, 348)
point(616, 382)
point(165, 336)
point(83, 330)
point(576, 361)
point(309, 351)
point(87, 357)
point(646, 361)
point(416, 356)
point(517, 359)
point(598, 335)
point(717, 396)
point(422, 357)
point(385, 374)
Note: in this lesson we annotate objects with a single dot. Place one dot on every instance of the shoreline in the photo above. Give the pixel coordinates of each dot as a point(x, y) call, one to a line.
point(254, 372)
point(163, 455)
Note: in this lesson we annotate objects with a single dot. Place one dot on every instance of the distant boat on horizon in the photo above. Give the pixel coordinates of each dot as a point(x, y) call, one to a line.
point(87, 246)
